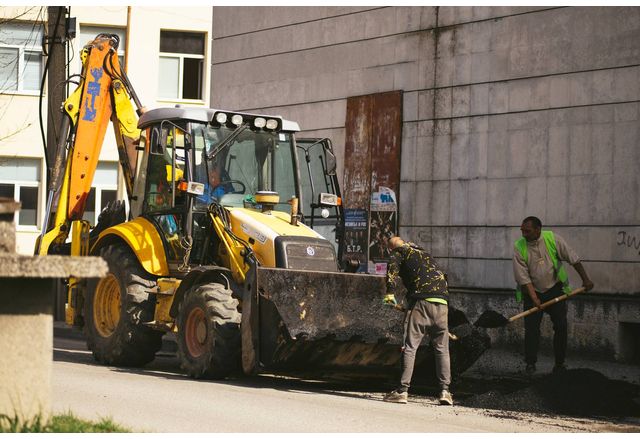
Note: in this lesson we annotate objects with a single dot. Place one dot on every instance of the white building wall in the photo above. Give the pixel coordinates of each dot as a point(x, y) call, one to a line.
point(19, 112)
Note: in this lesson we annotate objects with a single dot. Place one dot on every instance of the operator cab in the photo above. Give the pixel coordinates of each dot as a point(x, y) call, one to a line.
point(196, 157)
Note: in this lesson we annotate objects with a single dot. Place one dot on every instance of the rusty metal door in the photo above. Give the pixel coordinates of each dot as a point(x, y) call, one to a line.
point(373, 142)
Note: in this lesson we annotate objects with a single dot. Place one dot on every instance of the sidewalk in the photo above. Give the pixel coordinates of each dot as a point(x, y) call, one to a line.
point(62, 330)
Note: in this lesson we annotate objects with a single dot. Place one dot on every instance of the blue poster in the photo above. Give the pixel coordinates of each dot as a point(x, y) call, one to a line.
point(356, 237)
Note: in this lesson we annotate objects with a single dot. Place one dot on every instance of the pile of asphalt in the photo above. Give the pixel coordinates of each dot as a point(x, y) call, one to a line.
point(574, 392)
point(491, 319)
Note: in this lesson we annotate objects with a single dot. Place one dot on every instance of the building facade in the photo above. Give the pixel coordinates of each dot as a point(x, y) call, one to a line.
point(166, 51)
point(506, 112)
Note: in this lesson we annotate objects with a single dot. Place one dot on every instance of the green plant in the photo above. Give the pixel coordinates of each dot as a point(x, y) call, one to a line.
point(64, 423)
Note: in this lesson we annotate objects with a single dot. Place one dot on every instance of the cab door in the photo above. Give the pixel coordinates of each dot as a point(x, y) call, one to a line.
point(163, 204)
point(321, 203)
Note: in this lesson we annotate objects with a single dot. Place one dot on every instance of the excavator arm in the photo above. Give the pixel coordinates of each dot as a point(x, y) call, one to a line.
point(103, 94)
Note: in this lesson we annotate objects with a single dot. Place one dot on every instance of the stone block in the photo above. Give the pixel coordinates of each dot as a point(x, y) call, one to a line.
point(460, 159)
point(478, 155)
point(602, 114)
point(477, 202)
point(559, 147)
point(535, 203)
point(407, 76)
point(422, 237)
point(601, 199)
point(626, 83)
point(580, 90)
point(537, 151)
point(460, 101)
point(580, 149)
point(603, 86)
point(497, 152)
point(514, 204)
point(497, 201)
point(558, 91)
point(498, 98)
point(479, 99)
point(426, 107)
point(26, 341)
point(408, 153)
point(459, 201)
point(442, 157)
point(518, 155)
point(410, 106)
point(579, 200)
point(443, 103)
point(476, 246)
point(439, 242)
point(498, 243)
point(520, 95)
point(625, 156)
point(440, 203)
point(407, 206)
point(557, 203)
point(423, 203)
point(457, 242)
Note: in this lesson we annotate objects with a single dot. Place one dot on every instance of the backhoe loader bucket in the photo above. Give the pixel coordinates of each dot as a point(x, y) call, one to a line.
point(305, 322)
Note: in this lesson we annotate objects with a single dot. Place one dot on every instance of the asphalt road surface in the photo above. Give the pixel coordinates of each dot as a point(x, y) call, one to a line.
point(159, 398)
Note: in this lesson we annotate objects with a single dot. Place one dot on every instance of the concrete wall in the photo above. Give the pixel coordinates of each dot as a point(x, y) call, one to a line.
point(508, 112)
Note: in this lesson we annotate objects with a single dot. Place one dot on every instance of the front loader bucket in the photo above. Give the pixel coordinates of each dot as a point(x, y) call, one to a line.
point(306, 322)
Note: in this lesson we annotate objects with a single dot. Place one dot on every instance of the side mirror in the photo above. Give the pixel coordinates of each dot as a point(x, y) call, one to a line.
point(331, 161)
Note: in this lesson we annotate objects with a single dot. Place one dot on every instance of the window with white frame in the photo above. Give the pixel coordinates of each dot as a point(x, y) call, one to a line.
point(181, 65)
point(20, 180)
point(89, 33)
point(103, 190)
point(20, 57)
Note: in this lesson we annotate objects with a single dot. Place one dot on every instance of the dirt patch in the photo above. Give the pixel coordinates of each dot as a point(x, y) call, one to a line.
point(575, 392)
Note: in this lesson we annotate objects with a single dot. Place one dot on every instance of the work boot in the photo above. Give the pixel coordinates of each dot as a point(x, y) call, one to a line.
point(445, 398)
point(530, 369)
point(396, 396)
point(559, 368)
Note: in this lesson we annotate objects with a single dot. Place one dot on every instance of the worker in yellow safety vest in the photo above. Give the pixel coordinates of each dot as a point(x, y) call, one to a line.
point(539, 273)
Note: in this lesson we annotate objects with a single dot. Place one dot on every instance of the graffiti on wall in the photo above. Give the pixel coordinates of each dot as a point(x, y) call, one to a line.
point(629, 240)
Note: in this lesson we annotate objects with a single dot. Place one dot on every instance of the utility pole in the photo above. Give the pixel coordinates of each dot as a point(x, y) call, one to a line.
point(55, 46)
point(56, 51)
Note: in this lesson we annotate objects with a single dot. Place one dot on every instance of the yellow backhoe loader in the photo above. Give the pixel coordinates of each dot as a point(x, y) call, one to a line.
point(214, 246)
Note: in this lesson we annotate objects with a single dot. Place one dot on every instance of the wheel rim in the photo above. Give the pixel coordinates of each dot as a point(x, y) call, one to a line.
point(195, 333)
point(106, 305)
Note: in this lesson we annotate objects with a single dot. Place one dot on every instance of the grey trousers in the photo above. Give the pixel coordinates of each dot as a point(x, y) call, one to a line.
point(431, 319)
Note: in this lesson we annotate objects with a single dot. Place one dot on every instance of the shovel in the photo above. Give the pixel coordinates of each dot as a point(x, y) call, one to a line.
point(493, 319)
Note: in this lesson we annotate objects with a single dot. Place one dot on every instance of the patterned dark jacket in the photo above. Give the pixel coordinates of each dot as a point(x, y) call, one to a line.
point(419, 272)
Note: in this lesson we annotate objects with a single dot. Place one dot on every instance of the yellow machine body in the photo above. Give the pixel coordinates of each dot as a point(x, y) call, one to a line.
point(143, 239)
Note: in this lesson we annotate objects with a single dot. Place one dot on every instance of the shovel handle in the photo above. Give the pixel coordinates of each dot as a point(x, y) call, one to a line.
point(546, 304)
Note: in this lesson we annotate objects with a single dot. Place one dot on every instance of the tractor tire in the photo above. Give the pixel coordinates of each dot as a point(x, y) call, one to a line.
point(209, 332)
point(115, 308)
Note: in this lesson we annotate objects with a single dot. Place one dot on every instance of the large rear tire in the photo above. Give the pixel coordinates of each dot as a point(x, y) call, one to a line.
point(115, 308)
point(209, 332)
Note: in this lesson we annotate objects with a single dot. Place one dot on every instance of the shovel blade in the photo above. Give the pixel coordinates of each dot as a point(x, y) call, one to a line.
point(491, 319)
point(301, 322)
